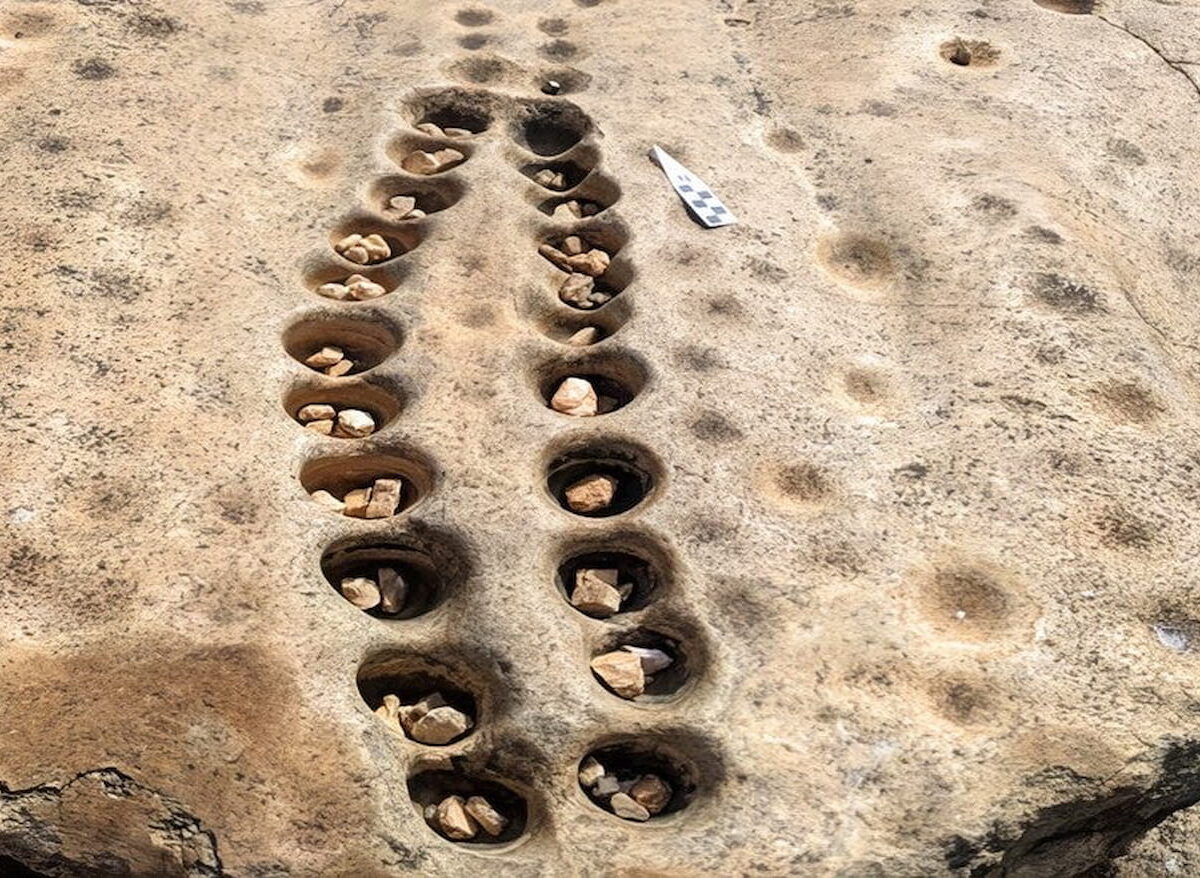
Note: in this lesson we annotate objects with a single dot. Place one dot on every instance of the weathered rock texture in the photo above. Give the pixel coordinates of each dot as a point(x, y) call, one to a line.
point(915, 443)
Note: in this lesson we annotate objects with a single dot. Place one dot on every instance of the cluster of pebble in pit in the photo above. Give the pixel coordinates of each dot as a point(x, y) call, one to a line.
point(418, 700)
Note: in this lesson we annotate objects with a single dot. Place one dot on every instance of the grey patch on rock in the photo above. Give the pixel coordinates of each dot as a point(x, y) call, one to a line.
point(1065, 294)
point(1123, 150)
point(34, 821)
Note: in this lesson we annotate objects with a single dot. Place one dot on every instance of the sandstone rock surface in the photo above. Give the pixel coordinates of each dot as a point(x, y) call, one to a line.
point(939, 598)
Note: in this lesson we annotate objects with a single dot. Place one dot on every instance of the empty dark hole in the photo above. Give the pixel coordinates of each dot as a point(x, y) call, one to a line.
point(427, 587)
point(629, 761)
point(428, 788)
point(633, 484)
point(573, 174)
point(665, 682)
point(411, 687)
point(11, 868)
point(633, 569)
point(550, 129)
point(620, 394)
point(457, 116)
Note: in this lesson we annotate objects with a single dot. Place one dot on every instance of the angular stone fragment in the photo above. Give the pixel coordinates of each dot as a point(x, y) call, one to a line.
point(623, 806)
point(360, 288)
point(377, 248)
point(440, 726)
point(324, 427)
point(621, 672)
point(590, 772)
point(492, 821)
point(385, 498)
point(572, 245)
point(337, 291)
point(340, 368)
point(410, 713)
point(324, 498)
point(316, 411)
point(606, 786)
point(653, 660)
point(651, 792)
point(586, 336)
point(355, 423)
point(393, 590)
point(567, 211)
point(326, 356)
point(389, 711)
point(429, 128)
point(595, 592)
point(454, 821)
point(427, 163)
point(550, 179)
point(402, 204)
point(592, 493)
point(577, 290)
point(458, 132)
point(357, 502)
point(593, 263)
point(575, 396)
point(361, 592)
point(415, 213)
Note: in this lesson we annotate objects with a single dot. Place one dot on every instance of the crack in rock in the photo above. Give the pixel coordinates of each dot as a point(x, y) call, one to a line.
point(1082, 836)
point(1174, 65)
point(102, 824)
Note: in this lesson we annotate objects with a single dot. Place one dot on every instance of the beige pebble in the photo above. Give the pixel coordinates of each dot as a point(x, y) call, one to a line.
point(316, 411)
point(415, 213)
point(337, 291)
point(566, 211)
point(623, 806)
point(337, 370)
point(360, 288)
point(590, 771)
point(361, 592)
point(492, 821)
point(454, 821)
point(324, 498)
point(357, 254)
point(550, 179)
point(389, 711)
point(402, 204)
point(410, 713)
point(357, 502)
point(572, 245)
point(458, 132)
point(586, 336)
point(576, 397)
point(621, 672)
point(426, 163)
point(385, 498)
point(378, 248)
point(596, 592)
point(594, 263)
point(577, 290)
point(429, 128)
point(322, 427)
point(326, 356)
point(606, 786)
point(651, 792)
point(393, 590)
point(592, 493)
point(441, 726)
point(355, 423)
